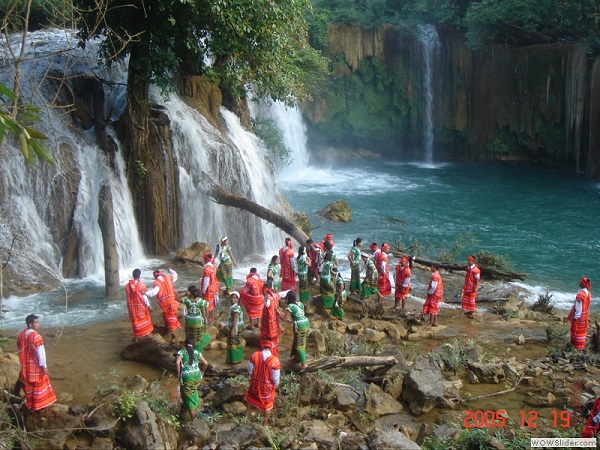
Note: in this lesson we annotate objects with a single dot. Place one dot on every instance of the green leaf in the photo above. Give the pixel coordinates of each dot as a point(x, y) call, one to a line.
point(33, 133)
point(7, 92)
point(41, 151)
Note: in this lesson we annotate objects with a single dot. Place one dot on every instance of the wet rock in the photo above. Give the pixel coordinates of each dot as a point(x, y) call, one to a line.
point(228, 393)
point(423, 386)
point(152, 349)
point(393, 380)
point(390, 440)
point(379, 403)
point(147, 430)
point(374, 335)
point(488, 372)
point(136, 384)
point(194, 253)
point(338, 211)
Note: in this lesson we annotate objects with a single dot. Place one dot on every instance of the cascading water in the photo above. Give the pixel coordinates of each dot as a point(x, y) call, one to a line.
point(431, 48)
point(45, 207)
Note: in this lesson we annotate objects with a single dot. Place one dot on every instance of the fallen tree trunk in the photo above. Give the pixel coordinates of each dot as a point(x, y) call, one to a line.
point(226, 198)
point(486, 272)
point(336, 362)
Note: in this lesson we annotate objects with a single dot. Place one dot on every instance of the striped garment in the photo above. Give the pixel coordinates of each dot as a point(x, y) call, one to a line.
point(139, 313)
point(264, 369)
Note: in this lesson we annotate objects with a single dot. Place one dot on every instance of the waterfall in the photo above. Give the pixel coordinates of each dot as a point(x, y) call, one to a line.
point(51, 207)
point(235, 160)
point(431, 48)
point(289, 120)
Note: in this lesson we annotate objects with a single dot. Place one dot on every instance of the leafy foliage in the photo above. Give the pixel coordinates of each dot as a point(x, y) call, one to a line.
point(43, 13)
point(544, 303)
point(19, 123)
point(235, 42)
point(266, 129)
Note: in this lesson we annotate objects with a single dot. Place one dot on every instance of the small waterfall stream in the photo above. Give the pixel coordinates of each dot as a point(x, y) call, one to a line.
point(431, 48)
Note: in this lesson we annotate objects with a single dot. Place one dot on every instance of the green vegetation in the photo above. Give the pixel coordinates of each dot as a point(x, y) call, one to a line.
point(234, 42)
point(266, 129)
point(544, 303)
point(42, 13)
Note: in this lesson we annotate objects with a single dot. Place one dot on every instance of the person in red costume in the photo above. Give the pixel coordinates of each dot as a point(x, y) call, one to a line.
point(264, 369)
point(470, 288)
point(435, 293)
point(33, 378)
point(269, 322)
point(288, 266)
point(210, 286)
point(252, 298)
point(138, 306)
point(578, 316)
point(402, 277)
point(592, 426)
point(166, 297)
point(384, 286)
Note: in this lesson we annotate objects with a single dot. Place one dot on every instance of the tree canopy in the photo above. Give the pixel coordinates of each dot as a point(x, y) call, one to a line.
point(235, 42)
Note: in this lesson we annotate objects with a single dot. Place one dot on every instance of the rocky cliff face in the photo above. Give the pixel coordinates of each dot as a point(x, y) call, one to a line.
point(535, 103)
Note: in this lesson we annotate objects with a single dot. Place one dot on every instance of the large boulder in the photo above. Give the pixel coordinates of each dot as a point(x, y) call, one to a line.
point(194, 253)
point(147, 430)
point(338, 211)
point(488, 372)
point(379, 403)
point(423, 386)
point(152, 349)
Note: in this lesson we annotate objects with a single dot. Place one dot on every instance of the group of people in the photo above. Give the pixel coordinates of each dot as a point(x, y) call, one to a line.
point(260, 301)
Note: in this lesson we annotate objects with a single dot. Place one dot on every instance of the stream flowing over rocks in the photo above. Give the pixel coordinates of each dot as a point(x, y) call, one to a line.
point(508, 360)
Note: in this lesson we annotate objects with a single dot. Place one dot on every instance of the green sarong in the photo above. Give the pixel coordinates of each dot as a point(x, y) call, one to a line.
point(355, 279)
point(189, 391)
point(368, 288)
point(196, 330)
point(328, 294)
point(338, 307)
point(303, 289)
point(225, 273)
point(235, 349)
point(299, 344)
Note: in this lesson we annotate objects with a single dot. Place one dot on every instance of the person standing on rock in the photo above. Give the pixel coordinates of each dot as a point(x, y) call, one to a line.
point(402, 281)
point(435, 293)
point(470, 288)
point(303, 264)
point(288, 266)
point(269, 322)
point(34, 376)
point(369, 285)
point(138, 306)
point(354, 259)
point(578, 316)
point(337, 310)
point(227, 261)
point(264, 369)
point(326, 285)
point(189, 374)
point(235, 323)
point(166, 297)
point(196, 312)
point(210, 286)
point(251, 297)
point(314, 253)
point(295, 314)
point(384, 286)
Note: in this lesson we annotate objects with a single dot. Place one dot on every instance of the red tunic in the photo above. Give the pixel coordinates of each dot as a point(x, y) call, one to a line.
point(469, 293)
point(402, 273)
point(210, 285)
point(261, 391)
point(432, 303)
point(251, 296)
point(288, 274)
point(166, 300)
point(384, 286)
point(591, 428)
point(579, 326)
point(269, 324)
point(38, 391)
point(139, 314)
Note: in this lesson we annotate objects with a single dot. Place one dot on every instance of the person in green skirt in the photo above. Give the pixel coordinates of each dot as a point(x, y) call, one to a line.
point(354, 259)
point(294, 313)
point(369, 284)
point(340, 294)
point(273, 273)
point(189, 374)
point(326, 282)
point(225, 269)
point(235, 341)
point(303, 262)
point(195, 317)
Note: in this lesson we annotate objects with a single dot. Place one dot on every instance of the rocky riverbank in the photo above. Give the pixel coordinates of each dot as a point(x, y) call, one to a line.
point(497, 379)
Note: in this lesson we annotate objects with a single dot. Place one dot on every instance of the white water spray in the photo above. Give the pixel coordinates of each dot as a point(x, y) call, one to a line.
point(431, 48)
